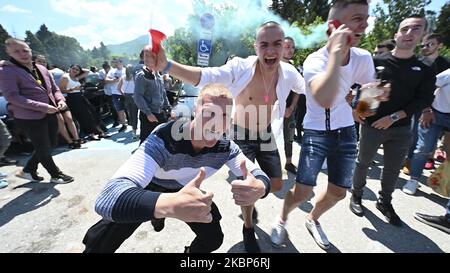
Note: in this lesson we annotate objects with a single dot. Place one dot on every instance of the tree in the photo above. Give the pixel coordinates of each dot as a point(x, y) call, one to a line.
point(443, 23)
point(230, 37)
point(3, 36)
point(104, 51)
point(95, 53)
point(303, 12)
point(35, 44)
point(43, 34)
point(389, 18)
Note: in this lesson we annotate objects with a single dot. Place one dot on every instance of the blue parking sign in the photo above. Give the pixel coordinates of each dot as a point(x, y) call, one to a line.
point(204, 46)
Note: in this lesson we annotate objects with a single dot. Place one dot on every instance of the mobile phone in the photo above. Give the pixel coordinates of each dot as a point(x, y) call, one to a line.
point(336, 23)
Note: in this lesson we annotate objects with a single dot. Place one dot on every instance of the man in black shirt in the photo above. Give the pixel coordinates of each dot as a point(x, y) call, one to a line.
point(291, 105)
point(431, 45)
point(412, 87)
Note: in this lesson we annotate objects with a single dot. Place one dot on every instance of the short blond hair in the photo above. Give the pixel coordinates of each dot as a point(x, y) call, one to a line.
point(13, 41)
point(215, 90)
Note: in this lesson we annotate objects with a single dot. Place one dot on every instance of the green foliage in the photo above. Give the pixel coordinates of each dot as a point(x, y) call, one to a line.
point(61, 50)
point(303, 12)
point(35, 44)
point(301, 54)
point(389, 18)
point(3, 36)
point(443, 23)
point(182, 46)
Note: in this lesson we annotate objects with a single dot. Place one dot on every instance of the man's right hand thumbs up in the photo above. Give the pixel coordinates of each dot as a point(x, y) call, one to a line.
point(197, 181)
point(190, 204)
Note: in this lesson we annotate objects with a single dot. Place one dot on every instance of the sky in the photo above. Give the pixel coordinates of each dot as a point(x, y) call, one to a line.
point(110, 21)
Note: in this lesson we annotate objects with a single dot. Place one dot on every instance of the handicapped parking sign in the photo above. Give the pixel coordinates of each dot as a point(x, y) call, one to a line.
point(204, 46)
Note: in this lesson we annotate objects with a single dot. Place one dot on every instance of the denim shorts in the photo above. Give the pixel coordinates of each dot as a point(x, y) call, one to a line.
point(339, 147)
point(119, 102)
point(261, 147)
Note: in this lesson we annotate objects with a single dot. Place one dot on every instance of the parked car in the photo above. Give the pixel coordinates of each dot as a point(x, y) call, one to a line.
point(93, 90)
point(186, 102)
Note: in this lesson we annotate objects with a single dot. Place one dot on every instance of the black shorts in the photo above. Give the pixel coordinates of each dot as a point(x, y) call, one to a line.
point(260, 146)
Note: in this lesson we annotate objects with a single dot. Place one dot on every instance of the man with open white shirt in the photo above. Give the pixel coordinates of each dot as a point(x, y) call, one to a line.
point(260, 86)
point(329, 130)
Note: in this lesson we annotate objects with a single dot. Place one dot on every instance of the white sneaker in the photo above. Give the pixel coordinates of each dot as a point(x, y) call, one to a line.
point(278, 234)
point(317, 233)
point(410, 187)
point(3, 175)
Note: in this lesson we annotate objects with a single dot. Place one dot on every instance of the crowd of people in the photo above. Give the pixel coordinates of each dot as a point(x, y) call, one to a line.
point(163, 177)
point(61, 107)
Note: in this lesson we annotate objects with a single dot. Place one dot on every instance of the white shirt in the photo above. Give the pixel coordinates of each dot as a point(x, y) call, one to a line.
point(238, 73)
point(128, 86)
point(359, 70)
point(442, 93)
point(71, 83)
point(115, 73)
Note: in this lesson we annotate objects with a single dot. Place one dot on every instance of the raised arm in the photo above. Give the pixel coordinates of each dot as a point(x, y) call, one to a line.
point(159, 62)
point(323, 86)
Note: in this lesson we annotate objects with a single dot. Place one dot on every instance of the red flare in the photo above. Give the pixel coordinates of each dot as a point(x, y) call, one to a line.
point(157, 38)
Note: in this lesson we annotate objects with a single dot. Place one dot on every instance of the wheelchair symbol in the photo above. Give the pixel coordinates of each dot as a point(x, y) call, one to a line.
point(203, 47)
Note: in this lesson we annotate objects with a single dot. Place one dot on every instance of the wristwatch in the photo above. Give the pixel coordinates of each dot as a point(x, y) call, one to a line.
point(395, 117)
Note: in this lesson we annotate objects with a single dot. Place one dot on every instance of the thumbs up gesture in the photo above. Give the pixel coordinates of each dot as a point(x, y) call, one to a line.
point(190, 204)
point(246, 192)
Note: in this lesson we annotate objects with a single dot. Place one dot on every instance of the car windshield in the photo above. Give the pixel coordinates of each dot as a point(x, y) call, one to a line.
point(93, 78)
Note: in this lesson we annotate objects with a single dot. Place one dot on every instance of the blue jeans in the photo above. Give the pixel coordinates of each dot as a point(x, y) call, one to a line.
point(415, 131)
point(339, 146)
point(426, 143)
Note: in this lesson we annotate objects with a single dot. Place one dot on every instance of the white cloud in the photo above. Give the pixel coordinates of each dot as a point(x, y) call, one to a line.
point(14, 9)
point(123, 21)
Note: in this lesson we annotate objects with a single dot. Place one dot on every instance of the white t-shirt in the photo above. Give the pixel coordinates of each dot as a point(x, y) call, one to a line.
point(442, 93)
point(359, 70)
point(127, 86)
point(71, 83)
point(115, 74)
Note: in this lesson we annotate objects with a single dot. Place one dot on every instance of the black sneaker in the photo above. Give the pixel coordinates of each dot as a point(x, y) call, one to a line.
point(62, 179)
point(439, 222)
point(158, 224)
point(389, 213)
point(7, 162)
point(356, 205)
point(250, 243)
point(290, 168)
point(123, 128)
point(74, 145)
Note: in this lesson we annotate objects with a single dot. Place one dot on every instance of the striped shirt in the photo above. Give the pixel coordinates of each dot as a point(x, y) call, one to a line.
point(170, 164)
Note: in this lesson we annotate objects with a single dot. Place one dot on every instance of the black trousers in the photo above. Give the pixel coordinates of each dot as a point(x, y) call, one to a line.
point(43, 134)
point(300, 116)
point(106, 236)
point(81, 110)
point(147, 127)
